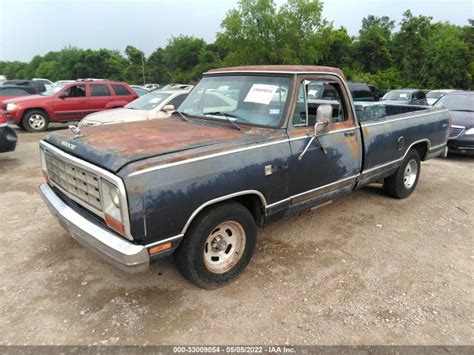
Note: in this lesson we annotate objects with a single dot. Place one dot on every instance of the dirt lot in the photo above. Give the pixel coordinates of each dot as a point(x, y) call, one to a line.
point(366, 269)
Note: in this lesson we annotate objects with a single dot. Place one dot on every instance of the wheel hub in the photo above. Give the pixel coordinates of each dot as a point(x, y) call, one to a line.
point(219, 244)
point(224, 247)
point(410, 173)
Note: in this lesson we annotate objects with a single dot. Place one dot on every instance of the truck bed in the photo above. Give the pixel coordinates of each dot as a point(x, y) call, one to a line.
point(389, 131)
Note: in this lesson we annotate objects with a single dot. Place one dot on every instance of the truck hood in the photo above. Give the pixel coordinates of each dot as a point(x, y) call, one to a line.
point(114, 146)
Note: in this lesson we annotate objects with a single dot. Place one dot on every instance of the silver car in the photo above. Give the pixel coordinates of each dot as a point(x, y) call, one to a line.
point(155, 105)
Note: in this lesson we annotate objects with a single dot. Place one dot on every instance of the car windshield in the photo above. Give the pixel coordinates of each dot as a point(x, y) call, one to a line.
point(251, 99)
point(457, 102)
point(53, 89)
point(434, 95)
point(148, 101)
point(397, 95)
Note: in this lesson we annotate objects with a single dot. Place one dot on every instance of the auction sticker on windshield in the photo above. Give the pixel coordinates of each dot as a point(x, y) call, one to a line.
point(261, 93)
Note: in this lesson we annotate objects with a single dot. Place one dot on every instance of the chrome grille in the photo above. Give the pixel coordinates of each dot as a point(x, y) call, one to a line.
point(455, 131)
point(75, 181)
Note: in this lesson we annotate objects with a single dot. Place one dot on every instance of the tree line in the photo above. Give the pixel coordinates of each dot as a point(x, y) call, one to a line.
point(416, 52)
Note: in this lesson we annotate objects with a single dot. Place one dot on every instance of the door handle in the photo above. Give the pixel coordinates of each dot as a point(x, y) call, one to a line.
point(349, 134)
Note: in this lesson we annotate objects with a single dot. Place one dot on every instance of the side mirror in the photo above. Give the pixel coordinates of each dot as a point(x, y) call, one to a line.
point(323, 117)
point(64, 95)
point(168, 108)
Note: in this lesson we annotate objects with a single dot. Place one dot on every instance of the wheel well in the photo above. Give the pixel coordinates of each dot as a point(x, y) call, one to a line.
point(251, 201)
point(253, 204)
point(35, 109)
point(422, 149)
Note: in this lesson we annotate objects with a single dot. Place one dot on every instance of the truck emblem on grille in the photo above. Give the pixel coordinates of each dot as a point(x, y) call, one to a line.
point(76, 130)
point(68, 145)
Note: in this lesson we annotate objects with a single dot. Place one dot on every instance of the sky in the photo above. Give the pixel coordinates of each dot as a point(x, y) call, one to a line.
point(31, 27)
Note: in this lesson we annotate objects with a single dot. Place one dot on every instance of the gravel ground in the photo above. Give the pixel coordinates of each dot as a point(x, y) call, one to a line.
point(366, 269)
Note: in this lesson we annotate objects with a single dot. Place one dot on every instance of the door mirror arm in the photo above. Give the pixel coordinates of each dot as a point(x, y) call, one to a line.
point(323, 116)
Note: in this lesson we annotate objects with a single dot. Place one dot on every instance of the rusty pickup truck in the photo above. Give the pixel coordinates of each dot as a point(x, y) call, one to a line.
point(248, 146)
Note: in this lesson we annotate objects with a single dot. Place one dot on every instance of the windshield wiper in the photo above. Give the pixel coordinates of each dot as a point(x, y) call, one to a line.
point(459, 110)
point(227, 115)
point(182, 116)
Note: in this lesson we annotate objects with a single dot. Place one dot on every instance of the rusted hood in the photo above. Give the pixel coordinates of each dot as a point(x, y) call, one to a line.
point(114, 146)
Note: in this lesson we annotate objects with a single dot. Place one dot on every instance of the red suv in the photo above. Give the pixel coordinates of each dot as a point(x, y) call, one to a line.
point(67, 102)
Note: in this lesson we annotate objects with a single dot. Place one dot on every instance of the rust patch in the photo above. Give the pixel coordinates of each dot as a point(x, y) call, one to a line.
point(354, 147)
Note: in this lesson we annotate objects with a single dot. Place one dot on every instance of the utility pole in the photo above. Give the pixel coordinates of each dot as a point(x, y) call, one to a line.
point(143, 68)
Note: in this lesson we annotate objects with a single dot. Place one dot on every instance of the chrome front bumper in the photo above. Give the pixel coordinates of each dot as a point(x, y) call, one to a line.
point(109, 246)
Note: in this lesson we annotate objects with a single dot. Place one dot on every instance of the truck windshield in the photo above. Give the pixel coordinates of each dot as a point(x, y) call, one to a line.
point(148, 101)
point(249, 99)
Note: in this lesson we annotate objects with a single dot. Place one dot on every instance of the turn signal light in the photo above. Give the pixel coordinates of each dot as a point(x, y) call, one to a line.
point(45, 176)
point(160, 248)
point(114, 224)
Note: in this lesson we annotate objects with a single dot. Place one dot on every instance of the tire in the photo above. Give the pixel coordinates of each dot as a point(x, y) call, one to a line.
point(403, 182)
point(209, 254)
point(35, 121)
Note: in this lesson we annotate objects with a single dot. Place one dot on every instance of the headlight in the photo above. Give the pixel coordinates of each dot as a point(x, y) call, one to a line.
point(470, 131)
point(111, 205)
point(11, 107)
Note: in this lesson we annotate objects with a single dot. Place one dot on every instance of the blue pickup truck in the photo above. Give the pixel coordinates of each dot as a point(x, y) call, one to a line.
point(248, 146)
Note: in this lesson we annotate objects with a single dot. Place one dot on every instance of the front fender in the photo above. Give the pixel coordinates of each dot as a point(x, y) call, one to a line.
point(162, 202)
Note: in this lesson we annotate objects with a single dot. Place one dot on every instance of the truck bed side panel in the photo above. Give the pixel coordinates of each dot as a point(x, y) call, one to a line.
point(387, 141)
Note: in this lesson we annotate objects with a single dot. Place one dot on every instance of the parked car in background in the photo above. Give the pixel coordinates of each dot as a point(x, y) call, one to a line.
point(198, 184)
point(11, 91)
point(139, 90)
point(38, 86)
point(406, 96)
point(8, 136)
point(177, 87)
point(69, 102)
point(156, 104)
point(433, 95)
point(63, 82)
point(46, 82)
point(360, 91)
point(461, 107)
point(151, 87)
point(375, 92)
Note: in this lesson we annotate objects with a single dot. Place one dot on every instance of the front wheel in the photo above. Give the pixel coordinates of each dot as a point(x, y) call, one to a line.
point(218, 246)
point(35, 121)
point(403, 182)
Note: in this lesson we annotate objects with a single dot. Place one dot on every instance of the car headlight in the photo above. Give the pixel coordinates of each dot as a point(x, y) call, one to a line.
point(470, 131)
point(11, 107)
point(112, 207)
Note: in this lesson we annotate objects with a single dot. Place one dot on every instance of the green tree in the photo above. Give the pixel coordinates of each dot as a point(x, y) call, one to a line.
point(133, 73)
point(372, 48)
point(408, 46)
point(447, 59)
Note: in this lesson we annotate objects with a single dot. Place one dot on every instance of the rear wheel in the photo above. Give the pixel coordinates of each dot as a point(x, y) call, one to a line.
point(35, 121)
point(403, 182)
point(218, 246)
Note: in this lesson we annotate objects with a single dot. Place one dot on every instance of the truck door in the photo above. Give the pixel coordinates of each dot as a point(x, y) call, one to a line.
point(69, 104)
point(332, 162)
